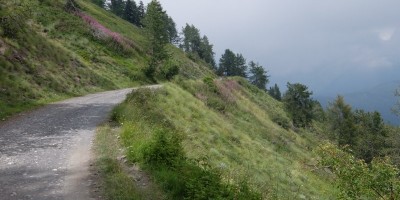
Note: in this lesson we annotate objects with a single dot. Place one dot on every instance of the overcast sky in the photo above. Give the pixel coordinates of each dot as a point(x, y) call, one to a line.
point(333, 46)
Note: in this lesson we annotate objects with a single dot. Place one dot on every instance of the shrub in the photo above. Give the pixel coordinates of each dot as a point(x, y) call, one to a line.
point(210, 84)
point(283, 122)
point(358, 180)
point(13, 16)
point(164, 151)
point(169, 70)
point(216, 103)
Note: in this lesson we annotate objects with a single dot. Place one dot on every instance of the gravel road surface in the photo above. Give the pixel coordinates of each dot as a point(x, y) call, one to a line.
point(45, 154)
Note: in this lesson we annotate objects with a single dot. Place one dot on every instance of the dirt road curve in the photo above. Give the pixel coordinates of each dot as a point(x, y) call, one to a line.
point(45, 154)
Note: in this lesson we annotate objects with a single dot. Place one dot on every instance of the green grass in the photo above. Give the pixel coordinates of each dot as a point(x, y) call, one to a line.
point(154, 142)
point(237, 138)
point(116, 183)
point(56, 55)
point(224, 132)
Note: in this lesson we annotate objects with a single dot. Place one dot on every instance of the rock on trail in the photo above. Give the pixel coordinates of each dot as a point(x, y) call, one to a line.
point(45, 154)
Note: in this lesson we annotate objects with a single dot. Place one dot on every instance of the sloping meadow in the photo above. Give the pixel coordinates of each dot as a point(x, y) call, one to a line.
point(49, 53)
point(226, 127)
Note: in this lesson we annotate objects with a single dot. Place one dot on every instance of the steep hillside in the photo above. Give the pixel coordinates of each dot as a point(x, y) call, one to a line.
point(229, 125)
point(49, 53)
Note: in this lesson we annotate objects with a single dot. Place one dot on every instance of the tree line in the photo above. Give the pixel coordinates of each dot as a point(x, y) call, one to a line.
point(161, 30)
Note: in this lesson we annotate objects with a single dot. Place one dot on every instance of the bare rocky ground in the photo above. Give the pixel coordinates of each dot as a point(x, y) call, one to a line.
point(45, 154)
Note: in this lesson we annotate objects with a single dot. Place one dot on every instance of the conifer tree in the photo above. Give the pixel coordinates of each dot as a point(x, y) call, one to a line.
point(197, 46)
point(100, 3)
point(141, 13)
point(226, 62)
point(191, 39)
point(131, 12)
point(232, 65)
point(258, 76)
point(117, 7)
point(275, 92)
point(171, 28)
point(156, 28)
point(206, 52)
point(240, 67)
point(299, 104)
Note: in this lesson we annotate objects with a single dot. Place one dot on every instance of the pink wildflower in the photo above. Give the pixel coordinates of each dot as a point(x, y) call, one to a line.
point(101, 31)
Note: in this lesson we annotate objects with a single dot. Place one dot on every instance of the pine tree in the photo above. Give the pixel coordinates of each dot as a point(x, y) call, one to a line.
point(156, 28)
point(206, 52)
point(240, 67)
point(117, 7)
point(171, 28)
point(197, 46)
point(275, 92)
point(100, 3)
point(232, 65)
point(226, 61)
point(141, 13)
point(191, 40)
point(258, 76)
point(299, 104)
point(131, 12)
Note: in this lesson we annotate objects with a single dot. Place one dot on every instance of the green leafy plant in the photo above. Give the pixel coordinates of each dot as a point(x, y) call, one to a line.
point(165, 150)
point(356, 179)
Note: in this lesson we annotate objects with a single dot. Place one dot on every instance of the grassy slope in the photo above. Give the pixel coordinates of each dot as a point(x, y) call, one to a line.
point(57, 56)
point(245, 141)
point(238, 136)
point(114, 182)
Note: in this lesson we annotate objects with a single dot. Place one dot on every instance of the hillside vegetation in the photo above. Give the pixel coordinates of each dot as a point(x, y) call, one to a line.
point(48, 53)
point(228, 126)
point(199, 136)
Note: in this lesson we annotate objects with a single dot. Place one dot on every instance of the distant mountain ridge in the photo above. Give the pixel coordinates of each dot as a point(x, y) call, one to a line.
point(380, 98)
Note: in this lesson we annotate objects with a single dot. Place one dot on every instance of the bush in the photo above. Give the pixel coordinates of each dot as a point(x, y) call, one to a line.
point(216, 103)
point(283, 122)
point(164, 151)
point(169, 70)
point(358, 180)
point(203, 183)
point(13, 16)
point(210, 84)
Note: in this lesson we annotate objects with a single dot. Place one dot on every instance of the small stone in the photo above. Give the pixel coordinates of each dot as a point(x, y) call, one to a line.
point(13, 194)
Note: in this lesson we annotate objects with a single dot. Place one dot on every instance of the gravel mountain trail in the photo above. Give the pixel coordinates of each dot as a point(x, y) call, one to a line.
point(45, 153)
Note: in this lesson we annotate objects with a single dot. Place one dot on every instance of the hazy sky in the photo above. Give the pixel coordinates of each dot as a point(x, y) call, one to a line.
point(333, 46)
